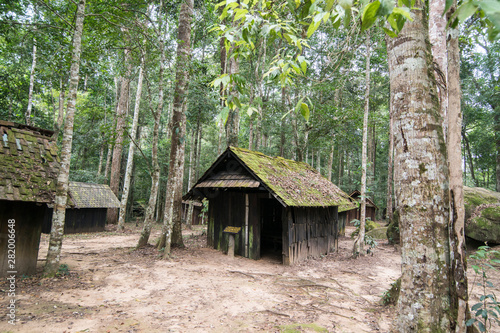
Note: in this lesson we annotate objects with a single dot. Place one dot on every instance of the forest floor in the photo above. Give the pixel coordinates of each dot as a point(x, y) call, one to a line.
point(109, 287)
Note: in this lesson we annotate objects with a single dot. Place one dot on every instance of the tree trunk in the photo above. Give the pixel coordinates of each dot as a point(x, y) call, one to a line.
point(458, 261)
point(60, 115)
point(390, 163)
point(193, 166)
point(121, 123)
point(422, 176)
point(233, 118)
point(359, 243)
point(59, 210)
point(330, 164)
point(32, 83)
point(107, 169)
point(155, 176)
point(471, 161)
point(131, 151)
point(173, 203)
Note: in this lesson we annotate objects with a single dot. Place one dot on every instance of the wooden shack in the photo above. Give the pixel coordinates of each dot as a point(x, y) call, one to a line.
point(86, 210)
point(355, 213)
point(29, 166)
point(197, 207)
point(276, 206)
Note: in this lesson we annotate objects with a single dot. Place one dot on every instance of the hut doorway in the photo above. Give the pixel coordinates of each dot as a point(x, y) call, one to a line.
point(271, 236)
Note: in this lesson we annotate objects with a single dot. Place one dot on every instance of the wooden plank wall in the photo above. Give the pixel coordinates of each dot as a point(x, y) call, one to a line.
point(228, 209)
point(28, 218)
point(308, 232)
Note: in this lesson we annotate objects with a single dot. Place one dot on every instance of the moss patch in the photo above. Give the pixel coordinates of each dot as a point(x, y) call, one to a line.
point(378, 233)
point(296, 183)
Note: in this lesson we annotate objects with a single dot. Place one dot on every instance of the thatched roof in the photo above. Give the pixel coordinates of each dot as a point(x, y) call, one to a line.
point(86, 195)
point(29, 163)
point(356, 195)
point(292, 183)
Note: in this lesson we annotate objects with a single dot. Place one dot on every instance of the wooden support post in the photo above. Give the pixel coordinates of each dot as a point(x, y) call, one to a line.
point(230, 246)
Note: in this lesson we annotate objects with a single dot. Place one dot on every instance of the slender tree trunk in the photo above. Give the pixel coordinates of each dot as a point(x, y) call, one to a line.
point(32, 83)
point(458, 261)
point(233, 118)
point(390, 163)
point(318, 162)
point(359, 243)
point(131, 151)
point(330, 163)
point(60, 115)
point(109, 154)
point(59, 211)
point(422, 176)
point(192, 169)
point(121, 123)
point(101, 157)
point(471, 161)
point(155, 176)
point(173, 204)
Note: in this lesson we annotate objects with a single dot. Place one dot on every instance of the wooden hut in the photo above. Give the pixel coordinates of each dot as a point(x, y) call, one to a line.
point(273, 204)
point(86, 209)
point(355, 213)
point(29, 166)
point(197, 207)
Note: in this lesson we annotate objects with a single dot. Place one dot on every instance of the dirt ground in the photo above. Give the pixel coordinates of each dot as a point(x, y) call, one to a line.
point(109, 287)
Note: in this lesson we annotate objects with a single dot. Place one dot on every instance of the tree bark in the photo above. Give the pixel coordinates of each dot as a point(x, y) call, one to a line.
point(420, 170)
point(131, 151)
point(471, 161)
point(173, 204)
point(32, 83)
point(121, 123)
point(60, 115)
point(458, 261)
point(359, 243)
point(59, 210)
point(390, 163)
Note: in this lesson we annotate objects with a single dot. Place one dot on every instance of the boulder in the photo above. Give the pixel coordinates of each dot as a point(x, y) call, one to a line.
point(482, 214)
point(378, 233)
point(393, 229)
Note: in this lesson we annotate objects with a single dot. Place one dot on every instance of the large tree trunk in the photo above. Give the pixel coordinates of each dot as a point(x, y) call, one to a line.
point(173, 205)
point(131, 150)
point(32, 83)
point(59, 211)
point(359, 243)
point(121, 123)
point(421, 173)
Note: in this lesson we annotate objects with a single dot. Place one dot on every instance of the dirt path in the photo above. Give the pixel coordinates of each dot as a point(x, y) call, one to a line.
point(111, 288)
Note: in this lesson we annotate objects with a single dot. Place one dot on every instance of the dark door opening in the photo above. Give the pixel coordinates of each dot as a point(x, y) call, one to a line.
point(271, 235)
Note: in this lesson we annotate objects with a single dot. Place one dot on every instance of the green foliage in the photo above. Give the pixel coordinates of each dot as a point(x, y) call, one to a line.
point(63, 270)
point(488, 308)
point(369, 225)
point(390, 297)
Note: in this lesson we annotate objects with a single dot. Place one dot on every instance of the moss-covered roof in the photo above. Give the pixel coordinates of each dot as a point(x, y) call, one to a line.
point(295, 183)
point(29, 163)
point(86, 195)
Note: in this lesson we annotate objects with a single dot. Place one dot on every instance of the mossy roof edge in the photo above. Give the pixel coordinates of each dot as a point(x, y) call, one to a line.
point(297, 184)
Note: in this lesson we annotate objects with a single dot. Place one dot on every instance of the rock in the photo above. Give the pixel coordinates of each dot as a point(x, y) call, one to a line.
point(378, 233)
point(482, 214)
point(393, 229)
